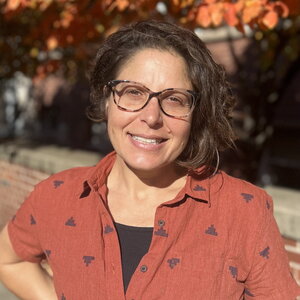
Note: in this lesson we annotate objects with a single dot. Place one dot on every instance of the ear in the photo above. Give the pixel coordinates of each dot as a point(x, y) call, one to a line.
point(106, 95)
point(105, 91)
point(107, 103)
point(106, 106)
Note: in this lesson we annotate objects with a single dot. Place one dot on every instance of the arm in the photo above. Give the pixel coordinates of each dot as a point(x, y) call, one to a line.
point(25, 279)
point(270, 276)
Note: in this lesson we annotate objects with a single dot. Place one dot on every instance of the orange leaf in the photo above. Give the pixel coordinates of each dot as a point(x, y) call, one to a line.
point(45, 4)
point(216, 13)
point(181, 3)
point(230, 14)
point(122, 4)
point(209, 1)
point(203, 17)
point(239, 5)
point(187, 3)
point(12, 4)
point(251, 11)
point(192, 13)
point(270, 19)
point(70, 38)
point(262, 2)
point(52, 42)
point(66, 19)
point(107, 2)
point(281, 9)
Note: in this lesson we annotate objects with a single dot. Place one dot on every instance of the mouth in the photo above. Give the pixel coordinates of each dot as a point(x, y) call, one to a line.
point(147, 141)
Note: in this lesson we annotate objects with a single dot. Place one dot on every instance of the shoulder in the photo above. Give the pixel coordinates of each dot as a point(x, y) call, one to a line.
point(241, 192)
point(242, 205)
point(59, 188)
point(67, 184)
point(243, 211)
point(71, 176)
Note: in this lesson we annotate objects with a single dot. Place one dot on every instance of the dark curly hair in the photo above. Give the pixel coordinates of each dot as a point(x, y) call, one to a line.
point(211, 129)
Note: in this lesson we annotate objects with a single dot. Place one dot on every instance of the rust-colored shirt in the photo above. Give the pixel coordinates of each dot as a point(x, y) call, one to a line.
point(216, 240)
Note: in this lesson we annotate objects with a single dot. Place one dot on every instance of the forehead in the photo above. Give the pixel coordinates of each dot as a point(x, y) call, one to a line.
point(156, 66)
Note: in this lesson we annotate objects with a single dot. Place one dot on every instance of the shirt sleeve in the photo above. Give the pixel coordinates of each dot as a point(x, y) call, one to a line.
point(270, 276)
point(23, 231)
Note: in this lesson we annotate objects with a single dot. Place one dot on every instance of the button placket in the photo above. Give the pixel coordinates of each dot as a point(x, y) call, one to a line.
point(112, 255)
point(160, 229)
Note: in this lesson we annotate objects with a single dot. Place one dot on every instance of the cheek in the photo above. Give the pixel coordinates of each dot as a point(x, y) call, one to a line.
point(109, 108)
point(182, 132)
point(114, 119)
point(117, 120)
point(187, 132)
point(186, 138)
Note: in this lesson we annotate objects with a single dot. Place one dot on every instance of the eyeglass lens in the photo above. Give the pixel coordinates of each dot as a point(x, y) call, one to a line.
point(133, 96)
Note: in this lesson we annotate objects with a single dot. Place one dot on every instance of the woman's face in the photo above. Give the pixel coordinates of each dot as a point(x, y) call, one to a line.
point(149, 140)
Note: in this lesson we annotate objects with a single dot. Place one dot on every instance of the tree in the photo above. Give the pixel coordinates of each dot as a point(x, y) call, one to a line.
point(265, 85)
point(38, 36)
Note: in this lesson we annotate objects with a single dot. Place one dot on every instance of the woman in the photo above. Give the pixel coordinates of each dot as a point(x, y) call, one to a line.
point(154, 219)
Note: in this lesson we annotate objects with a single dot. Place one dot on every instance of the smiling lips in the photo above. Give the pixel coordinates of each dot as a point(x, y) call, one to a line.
point(147, 141)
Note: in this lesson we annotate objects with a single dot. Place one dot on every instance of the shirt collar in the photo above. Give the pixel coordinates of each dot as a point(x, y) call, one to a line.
point(197, 188)
point(99, 176)
point(204, 188)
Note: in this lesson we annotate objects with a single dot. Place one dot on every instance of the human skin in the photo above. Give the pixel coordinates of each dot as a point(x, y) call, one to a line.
point(29, 281)
point(145, 174)
point(157, 70)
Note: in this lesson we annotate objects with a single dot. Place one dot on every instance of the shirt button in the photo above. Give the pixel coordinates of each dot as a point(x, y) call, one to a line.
point(161, 223)
point(143, 268)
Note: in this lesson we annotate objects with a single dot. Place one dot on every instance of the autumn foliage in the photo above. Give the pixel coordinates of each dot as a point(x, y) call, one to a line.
point(262, 13)
point(40, 35)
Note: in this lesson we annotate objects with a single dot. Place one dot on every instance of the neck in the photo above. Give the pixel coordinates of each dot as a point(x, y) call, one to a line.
point(141, 184)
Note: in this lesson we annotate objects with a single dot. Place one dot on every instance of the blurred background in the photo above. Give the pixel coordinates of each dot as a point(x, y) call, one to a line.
point(46, 52)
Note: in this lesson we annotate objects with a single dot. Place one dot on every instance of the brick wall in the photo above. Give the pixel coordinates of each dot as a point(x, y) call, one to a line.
point(16, 182)
point(293, 249)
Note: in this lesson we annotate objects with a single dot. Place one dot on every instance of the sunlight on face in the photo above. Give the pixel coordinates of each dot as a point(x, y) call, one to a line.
point(149, 140)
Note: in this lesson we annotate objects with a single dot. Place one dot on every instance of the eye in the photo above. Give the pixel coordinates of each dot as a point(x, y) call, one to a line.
point(133, 91)
point(177, 100)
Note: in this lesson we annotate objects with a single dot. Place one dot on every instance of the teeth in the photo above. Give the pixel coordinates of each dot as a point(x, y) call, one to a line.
point(146, 141)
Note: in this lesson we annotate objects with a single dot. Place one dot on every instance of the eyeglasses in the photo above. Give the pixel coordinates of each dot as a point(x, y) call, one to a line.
point(133, 96)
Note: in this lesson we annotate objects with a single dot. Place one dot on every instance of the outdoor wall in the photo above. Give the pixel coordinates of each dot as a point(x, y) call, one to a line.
point(21, 167)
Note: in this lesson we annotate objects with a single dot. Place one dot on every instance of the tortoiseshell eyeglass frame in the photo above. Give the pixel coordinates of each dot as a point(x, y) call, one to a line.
point(113, 83)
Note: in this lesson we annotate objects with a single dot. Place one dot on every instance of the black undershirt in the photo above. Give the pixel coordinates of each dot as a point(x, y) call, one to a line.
point(134, 244)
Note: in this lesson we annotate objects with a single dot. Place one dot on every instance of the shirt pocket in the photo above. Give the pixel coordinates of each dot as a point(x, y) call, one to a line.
point(194, 277)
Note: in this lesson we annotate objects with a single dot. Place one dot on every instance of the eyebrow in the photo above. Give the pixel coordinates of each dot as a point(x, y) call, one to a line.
point(195, 94)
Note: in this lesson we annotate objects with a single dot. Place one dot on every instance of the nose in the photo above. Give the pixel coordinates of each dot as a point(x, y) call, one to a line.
point(152, 114)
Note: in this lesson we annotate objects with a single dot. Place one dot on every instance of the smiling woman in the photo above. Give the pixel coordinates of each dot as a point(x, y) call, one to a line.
point(155, 219)
point(212, 100)
point(148, 139)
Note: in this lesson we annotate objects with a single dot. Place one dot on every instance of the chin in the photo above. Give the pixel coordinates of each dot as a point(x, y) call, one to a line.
point(146, 164)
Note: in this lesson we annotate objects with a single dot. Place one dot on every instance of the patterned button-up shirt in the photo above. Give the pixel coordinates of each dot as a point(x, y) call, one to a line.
point(217, 239)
